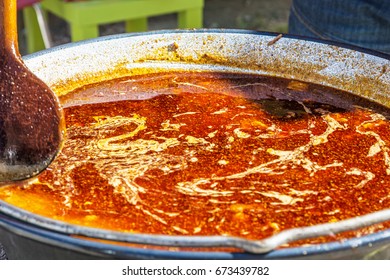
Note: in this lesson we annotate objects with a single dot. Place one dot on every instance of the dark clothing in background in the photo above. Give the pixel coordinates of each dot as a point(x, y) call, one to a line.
point(364, 23)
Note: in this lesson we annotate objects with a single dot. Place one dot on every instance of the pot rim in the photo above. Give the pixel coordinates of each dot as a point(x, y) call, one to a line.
point(209, 30)
point(266, 246)
point(29, 224)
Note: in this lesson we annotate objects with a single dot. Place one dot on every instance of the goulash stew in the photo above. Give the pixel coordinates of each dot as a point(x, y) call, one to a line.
point(214, 154)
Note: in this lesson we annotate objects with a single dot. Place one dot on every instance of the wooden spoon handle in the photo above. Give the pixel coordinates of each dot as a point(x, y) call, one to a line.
point(8, 27)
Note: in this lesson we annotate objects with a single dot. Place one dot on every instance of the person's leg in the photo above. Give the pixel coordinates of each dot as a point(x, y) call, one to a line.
point(300, 22)
point(358, 22)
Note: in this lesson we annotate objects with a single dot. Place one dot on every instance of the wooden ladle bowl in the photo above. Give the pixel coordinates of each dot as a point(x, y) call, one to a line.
point(31, 123)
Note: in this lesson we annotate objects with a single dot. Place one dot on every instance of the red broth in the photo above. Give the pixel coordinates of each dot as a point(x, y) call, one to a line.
point(214, 154)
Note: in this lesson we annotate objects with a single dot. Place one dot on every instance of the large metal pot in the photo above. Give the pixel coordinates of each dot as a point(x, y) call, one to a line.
point(365, 73)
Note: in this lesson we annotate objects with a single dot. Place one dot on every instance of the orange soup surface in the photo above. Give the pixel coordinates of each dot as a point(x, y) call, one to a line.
point(214, 154)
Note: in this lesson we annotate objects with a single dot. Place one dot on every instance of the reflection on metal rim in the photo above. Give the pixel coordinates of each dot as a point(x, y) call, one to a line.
point(256, 247)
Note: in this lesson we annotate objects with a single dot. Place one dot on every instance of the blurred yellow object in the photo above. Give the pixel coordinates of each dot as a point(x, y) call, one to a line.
point(37, 30)
point(84, 17)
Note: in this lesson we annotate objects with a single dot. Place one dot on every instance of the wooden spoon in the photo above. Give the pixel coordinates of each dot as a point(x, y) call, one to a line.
point(31, 122)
